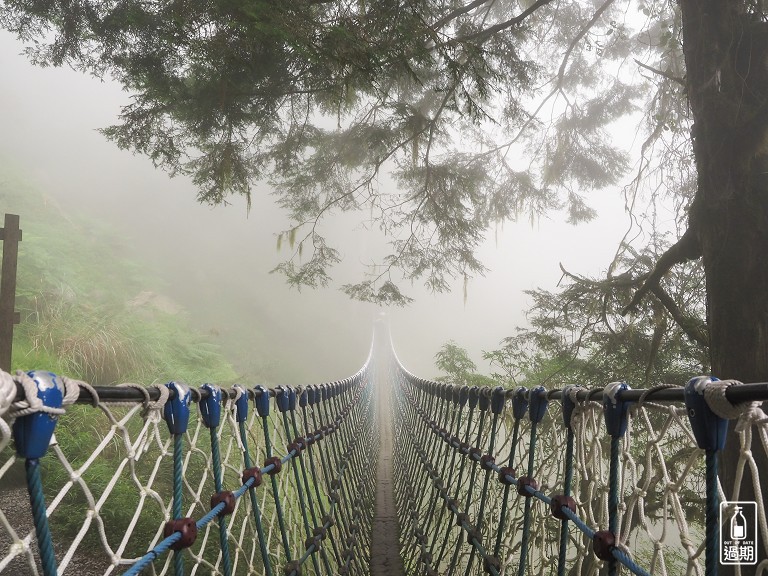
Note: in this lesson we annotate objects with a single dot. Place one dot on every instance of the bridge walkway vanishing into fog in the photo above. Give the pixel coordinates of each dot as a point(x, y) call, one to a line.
point(380, 473)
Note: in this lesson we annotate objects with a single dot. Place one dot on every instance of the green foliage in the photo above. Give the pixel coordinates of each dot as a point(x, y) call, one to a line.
point(89, 311)
point(581, 334)
point(483, 112)
point(459, 367)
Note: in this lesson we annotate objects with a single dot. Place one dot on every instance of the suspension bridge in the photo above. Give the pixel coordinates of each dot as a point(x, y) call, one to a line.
point(380, 473)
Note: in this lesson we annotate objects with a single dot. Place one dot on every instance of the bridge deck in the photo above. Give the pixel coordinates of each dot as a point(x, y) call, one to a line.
point(385, 545)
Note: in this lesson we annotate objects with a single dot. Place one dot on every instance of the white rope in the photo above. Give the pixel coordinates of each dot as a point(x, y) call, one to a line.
point(657, 510)
point(31, 404)
point(10, 409)
point(231, 413)
point(153, 409)
point(7, 396)
point(140, 455)
point(714, 394)
point(750, 418)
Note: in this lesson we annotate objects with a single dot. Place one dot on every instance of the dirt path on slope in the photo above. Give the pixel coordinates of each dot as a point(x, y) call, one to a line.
point(14, 503)
point(385, 543)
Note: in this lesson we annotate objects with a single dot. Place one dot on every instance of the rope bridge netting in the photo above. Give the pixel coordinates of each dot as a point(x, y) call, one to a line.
point(136, 480)
point(574, 481)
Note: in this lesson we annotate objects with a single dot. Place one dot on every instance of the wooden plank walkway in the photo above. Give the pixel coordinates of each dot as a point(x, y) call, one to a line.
point(385, 542)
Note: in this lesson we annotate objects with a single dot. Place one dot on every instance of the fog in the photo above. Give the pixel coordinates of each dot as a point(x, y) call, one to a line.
point(216, 261)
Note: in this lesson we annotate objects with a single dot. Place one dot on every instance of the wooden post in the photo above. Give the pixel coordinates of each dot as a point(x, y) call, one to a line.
point(10, 234)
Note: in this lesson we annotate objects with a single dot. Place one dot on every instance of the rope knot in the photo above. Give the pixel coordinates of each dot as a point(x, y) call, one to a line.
point(32, 404)
point(714, 394)
point(152, 409)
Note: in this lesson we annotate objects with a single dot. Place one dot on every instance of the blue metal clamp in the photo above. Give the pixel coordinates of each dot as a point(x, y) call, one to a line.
point(176, 409)
point(539, 403)
point(261, 400)
point(568, 405)
point(32, 433)
point(311, 395)
point(498, 399)
point(474, 396)
point(282, 395)
point(708, 428)
point(520, 403)
point(241, 404)
point(210, 406)
point(463, 395)
point(615, 409)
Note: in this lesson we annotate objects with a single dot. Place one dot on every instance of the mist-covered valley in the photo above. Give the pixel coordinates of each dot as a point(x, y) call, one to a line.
point(215, 263)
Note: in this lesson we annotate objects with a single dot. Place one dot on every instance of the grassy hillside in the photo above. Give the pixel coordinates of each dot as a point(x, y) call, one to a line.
point(89, 310)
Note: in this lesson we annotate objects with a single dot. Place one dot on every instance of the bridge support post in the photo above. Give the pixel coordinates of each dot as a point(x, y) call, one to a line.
point(10, 234)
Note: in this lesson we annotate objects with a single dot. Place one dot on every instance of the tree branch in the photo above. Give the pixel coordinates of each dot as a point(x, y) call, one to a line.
point(483, 35)
point(456, 13)
point(561, 71)
point(666, 75)
point(693, 329)
point(687, 248)
point(622, 280)
point(576, 39)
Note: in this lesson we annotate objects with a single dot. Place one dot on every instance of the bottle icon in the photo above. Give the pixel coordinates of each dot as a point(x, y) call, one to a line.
point(738, 525)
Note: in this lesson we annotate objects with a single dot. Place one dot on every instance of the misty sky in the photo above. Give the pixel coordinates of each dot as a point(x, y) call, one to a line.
point(216, 262)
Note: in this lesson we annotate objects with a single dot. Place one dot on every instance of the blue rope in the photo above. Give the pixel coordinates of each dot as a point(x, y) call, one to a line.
point(275, 491)
point(349, 461)
point(42, 530)
point(164, 545)
point(567, 492)
point(161, 548)
point(483, 496)
point(326, 468)
point(219, 485)
point(458, 488)
point(613, 496)
point(302, 466)
point(352, 459)
point(621, 557)
point(527, 509)
point(505, 498)
point(711, 560)
point(255, 503)
point(178, 452)
point(300, 491)
point(455, 425)
point(360, 471)
point(579, 523)
point(334, 454)
point(316, 482)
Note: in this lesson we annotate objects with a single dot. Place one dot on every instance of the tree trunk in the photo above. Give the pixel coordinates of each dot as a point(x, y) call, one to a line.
point(726, 55)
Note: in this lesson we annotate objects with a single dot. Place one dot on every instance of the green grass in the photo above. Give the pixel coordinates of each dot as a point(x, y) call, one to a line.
point(77, 289)
point(91, 311)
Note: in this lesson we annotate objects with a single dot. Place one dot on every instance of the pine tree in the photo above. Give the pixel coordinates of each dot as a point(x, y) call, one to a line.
point(481, 110)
